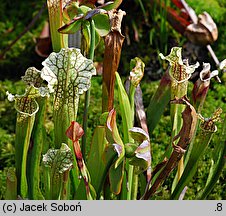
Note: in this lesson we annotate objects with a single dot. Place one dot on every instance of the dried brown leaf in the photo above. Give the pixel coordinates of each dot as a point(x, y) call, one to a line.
point(203, 32)
point(185, 136)
point(113, 46)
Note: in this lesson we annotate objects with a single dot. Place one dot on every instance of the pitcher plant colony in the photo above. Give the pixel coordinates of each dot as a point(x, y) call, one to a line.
point(117, 164)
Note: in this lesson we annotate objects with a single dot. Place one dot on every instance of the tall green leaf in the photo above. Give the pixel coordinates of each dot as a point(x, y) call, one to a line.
point(55, 10)
point(125, 108)
point(95, 164)
point(34, 153)
point(158, 102)
point(218, 164)
point(116, 171)
point(26, 106)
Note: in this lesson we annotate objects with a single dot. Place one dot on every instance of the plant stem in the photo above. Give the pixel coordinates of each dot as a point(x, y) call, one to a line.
point(87, 94)
point(56, 181)
point(134, 184)
point(92, 40)
point(132, 91)
point(46, 177)
point(23, 184)
point(23, 133)
point(177, 109)
point(130, 180)
point(65, 186)
point(61, 122)
point(34, 153)
point(131, 176)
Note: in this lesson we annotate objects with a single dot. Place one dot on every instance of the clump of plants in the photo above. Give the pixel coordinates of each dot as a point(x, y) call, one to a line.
point(118, 164)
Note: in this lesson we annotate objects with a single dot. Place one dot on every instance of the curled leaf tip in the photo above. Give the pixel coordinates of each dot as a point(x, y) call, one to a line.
point(10, 96)
point(137, 71)
point(75, 131)
point(143, 151)
point(180, 71)
point(203, 32)
point(206, 74)
point(174, 56)
point(111, 119)
point(118, 148)
point(208, 124)
point(26, 104)
point(138, 134)
point(142, 156)
point(191, 68)
point(33, 78)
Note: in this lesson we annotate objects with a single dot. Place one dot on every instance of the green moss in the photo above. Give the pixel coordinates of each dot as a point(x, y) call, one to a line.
point(216, 8)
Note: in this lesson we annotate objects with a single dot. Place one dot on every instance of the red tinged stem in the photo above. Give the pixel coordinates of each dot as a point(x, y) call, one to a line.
point(75, 132)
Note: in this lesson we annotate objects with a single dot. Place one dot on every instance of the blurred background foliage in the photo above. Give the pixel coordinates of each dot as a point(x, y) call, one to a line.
point(15, 16)
point(146, 30)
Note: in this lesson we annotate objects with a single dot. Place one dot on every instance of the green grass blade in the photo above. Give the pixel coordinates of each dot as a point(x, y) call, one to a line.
point(125, 108)
point(127, 123)
point(95, 162)
point(116, 177)
point(158, 102)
